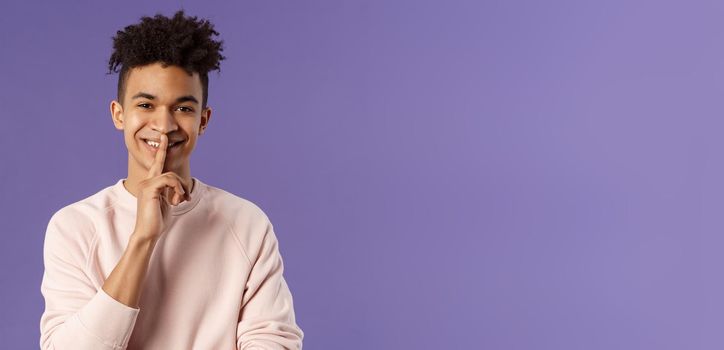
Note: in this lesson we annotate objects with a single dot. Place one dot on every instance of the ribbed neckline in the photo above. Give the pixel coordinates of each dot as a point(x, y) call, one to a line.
point(128, 199)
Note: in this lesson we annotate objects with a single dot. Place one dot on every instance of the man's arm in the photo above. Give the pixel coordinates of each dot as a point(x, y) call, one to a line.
point(125, 282)
point(77, 315)
point(267, 320)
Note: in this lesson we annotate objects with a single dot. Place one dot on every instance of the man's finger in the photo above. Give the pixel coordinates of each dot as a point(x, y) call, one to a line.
point(159, 159)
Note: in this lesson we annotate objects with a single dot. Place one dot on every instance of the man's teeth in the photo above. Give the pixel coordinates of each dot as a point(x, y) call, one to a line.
point(157, 144)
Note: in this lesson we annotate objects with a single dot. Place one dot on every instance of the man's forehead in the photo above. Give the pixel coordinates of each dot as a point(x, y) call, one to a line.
point(162, 82)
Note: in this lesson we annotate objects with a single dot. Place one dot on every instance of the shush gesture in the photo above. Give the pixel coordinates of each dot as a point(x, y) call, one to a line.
point(156, 194)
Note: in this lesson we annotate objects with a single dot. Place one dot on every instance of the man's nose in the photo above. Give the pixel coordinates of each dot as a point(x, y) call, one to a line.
point(164, 122)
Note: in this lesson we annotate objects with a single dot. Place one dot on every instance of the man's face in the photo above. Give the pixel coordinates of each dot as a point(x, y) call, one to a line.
point(160, 100)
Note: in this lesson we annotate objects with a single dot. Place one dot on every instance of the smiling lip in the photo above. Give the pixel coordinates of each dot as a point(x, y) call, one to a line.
point(154, 149)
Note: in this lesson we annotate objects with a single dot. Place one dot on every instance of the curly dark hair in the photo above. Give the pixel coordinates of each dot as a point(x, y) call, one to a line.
point(181, 41)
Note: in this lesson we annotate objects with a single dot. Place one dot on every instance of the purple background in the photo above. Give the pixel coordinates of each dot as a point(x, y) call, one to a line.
point(441, 175)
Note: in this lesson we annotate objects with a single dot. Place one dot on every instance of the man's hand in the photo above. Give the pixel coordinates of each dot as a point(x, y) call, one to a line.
point(153, 201)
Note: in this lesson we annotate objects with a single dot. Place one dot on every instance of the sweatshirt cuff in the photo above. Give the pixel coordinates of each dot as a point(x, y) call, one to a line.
point(109, 319)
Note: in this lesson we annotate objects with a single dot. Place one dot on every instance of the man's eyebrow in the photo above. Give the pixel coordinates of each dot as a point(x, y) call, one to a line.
point(143, 95)
point(187, 98)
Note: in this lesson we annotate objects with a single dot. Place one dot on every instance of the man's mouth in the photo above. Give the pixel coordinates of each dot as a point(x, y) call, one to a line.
point(154, 145)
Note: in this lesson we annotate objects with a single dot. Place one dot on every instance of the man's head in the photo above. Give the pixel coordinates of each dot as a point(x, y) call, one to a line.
point(163, 86)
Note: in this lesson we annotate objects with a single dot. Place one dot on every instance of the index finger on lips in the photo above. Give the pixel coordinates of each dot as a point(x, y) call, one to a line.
point(159, 159)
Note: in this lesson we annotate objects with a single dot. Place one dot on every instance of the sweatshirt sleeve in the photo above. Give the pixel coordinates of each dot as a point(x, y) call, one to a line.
point(77, 315)
point(266, 319)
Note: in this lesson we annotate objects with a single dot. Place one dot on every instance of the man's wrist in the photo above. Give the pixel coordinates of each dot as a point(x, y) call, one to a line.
point(141, 241)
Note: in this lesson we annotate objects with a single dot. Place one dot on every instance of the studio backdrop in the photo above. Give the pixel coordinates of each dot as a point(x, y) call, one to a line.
point(440, 174)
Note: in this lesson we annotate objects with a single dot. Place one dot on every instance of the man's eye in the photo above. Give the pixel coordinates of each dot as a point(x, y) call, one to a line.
point(186, 109)
point(144, 105)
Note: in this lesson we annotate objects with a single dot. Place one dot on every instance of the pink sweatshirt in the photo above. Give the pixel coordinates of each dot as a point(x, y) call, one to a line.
point(214, 279)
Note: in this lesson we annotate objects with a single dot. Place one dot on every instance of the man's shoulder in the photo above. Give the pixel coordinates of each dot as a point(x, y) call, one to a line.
point(246, 219)
point(82, 211)
point(74, 225)
point(230, 203)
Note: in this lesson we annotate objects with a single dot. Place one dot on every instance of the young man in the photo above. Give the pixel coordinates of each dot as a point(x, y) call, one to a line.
point(161, 260)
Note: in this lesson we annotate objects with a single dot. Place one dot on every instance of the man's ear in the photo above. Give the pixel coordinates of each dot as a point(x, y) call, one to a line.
point(205, 117)
point(117, 114)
